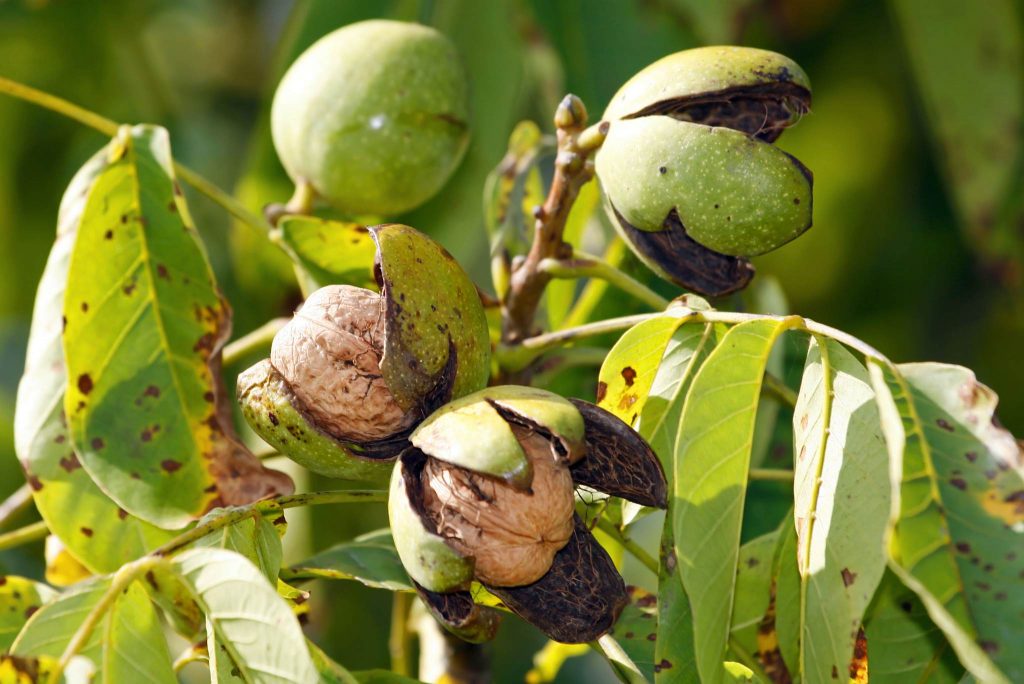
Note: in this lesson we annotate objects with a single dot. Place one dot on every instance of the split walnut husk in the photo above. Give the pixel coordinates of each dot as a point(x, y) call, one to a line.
point(486, 493)
point(354, 371)
point(690, 176)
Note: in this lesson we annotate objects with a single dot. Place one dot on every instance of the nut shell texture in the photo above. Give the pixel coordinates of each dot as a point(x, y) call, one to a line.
point(330, 356)
point(512, 535)
point(373, 116)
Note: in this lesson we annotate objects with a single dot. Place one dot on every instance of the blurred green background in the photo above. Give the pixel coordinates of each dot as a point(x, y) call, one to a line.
point(914, 139)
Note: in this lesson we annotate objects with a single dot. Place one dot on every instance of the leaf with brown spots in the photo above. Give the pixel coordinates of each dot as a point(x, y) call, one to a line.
point(140, 333)
point(64, 494)
point(331, 252)
point(945, 502)
point(841, 506)
point(127, 645)
point(19, 599)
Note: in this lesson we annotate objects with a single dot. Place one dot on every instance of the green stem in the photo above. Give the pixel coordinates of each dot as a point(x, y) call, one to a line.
point(519, 355)
point(588, 266)
point(23, 535)
point(771, 475)
point(637, 551)
point(258, 340)
point(515, 357)
point(234, 515)
point(110, 128)
point(399, 644)
point(17, 502)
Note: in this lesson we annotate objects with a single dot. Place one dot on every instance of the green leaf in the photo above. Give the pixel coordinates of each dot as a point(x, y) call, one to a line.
point(644, 377)
point(144, 323)
point(971, 80)
point(904, 645)
point(330, 672)
point(673, 650)
point(712, 457)
point(841, 506)
point(19, 599)
point(256, 538)
point(370, 559)
point(94, 529)
point(259, 634)
point(753, 589)
point(331, 252)
point(787, 600)
point(127, 644)
point(956, 526)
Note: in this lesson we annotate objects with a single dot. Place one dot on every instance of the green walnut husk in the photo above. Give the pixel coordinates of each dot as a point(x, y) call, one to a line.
point(373, 116)
point(354, 372)
point(690, 176)
point(485, 493)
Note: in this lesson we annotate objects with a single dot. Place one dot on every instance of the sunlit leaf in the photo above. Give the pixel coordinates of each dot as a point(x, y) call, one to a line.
point(331, 252)
point(957, 524)
point(144, 326)
point(841, 506)
point(94, 529)
point(127, 644)
point(905, 645)
point(712, 457)
point(259, 634)
point(62, 568)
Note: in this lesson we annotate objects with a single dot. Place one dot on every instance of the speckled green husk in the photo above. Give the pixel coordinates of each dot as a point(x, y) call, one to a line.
point(374, 116)
point(428, 558)
point(734, 193)
point(435, 322)
point(270, 409)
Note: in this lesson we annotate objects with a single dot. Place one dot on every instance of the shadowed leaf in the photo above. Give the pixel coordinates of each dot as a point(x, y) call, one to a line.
point(712, 457)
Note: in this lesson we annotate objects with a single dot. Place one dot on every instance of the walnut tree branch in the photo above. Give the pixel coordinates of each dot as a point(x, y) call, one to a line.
point(573, 168)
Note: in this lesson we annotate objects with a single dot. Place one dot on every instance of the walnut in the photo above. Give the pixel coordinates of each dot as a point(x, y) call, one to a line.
point(512, 534)
point(330, 354)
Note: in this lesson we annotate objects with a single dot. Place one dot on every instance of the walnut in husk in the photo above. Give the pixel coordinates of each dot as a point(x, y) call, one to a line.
point(354, 371)
point(690, 176)
point(486, 493)
point(330, 355)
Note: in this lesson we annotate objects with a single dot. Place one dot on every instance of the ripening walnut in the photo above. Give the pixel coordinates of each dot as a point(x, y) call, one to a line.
point(330, 355)
point(690, 176)
point(486, 493)
point(354, 371)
